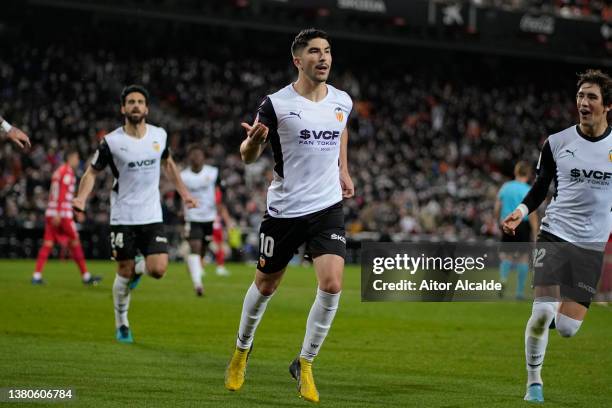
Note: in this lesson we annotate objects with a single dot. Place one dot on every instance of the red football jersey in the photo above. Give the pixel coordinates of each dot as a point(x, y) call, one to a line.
point(61, 193)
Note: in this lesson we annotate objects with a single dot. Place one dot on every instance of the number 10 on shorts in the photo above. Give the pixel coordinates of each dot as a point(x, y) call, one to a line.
point(266, 245)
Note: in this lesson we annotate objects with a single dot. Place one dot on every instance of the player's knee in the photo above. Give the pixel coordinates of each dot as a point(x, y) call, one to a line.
point(48, 244)
point(566, 326)
point(331, 286)
point(266, 288)
point(157, 272)
point(542, 314)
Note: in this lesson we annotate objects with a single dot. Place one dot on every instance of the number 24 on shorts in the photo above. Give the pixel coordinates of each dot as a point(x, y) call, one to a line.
point(117, 240)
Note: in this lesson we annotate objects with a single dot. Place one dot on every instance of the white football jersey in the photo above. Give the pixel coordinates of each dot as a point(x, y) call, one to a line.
point(202, 186)
point(580, 211)
point(135, 164)
point(305, 140)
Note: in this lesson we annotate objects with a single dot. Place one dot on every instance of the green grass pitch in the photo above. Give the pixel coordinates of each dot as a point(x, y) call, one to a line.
point(377, 354)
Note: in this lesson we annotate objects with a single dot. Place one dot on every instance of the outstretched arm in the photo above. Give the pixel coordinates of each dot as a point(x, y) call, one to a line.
point(175, 177)
point(85, 188)
point(16, 135)
point(545, 173)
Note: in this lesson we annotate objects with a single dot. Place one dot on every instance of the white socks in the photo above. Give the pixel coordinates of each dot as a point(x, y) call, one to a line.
point(121, 300)
point(319, 321)
point(253, 309)
point(140, 267)
point(194, 263)
point(536, 337)
point(566, 326)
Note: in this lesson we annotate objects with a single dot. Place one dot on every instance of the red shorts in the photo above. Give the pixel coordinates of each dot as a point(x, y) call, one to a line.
point(65, 231)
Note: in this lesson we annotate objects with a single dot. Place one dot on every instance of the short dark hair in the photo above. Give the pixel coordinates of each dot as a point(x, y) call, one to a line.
point(597, 77)
point(195, 146)
point(70, 151)
point(134, 88)
point(301, 40)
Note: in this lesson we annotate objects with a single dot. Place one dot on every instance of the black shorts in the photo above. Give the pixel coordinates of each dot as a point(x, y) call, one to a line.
point(149, 239)
point(199, 231)
point(576, 270)
point(279, 238)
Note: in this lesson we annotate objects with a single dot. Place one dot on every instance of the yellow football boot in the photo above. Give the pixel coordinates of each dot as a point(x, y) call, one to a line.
point(236, 369)
point(301, 370)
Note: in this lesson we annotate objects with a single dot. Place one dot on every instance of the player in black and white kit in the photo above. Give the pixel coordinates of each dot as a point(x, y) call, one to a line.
point(305, 125)
point(574, 231)
point(202, 181)
point(135, 153)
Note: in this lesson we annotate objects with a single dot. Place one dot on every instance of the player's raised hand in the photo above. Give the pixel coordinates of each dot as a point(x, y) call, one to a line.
point(78, 204)
point(19, 138)
point(512, 221)
point(257, 133)
point(190, 202)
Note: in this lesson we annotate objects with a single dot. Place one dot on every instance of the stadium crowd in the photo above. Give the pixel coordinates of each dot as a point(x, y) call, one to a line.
point(430, 144)
point(595, 9)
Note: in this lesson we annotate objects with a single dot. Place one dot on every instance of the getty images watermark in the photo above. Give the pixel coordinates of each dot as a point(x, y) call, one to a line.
point(442, 271)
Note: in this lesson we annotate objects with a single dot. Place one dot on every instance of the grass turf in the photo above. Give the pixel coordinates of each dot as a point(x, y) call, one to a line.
point(377, 354)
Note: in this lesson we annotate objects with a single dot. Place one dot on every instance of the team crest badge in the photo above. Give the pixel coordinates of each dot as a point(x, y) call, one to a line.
point(339, 114)
point(262, 261)
point(610, 155)
point(156, 146)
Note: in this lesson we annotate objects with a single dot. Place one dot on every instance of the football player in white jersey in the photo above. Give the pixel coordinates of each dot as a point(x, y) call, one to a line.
point(14, 134)
point(203, 181)
point(305, 124)
point(135, 152)
point(569, 251)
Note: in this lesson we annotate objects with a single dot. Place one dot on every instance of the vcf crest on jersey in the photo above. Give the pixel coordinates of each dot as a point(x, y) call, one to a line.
point(156, 146)
point(339, 114)
point(610, 155)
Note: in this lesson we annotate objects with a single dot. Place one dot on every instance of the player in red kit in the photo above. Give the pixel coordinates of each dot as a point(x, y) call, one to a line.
point(59, 225)
point(217, 235)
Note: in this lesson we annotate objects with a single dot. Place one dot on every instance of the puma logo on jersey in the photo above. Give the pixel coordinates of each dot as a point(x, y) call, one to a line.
point(299, 114)
point(571, 152)
point(161, 239)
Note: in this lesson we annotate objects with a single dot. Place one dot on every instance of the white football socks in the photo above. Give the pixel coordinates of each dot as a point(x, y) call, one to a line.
point(121, 300)
point(566, 326)
point(253, 309)
point(140, 267)
point(194, 263)
point(536, 336)
point(319, 321)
